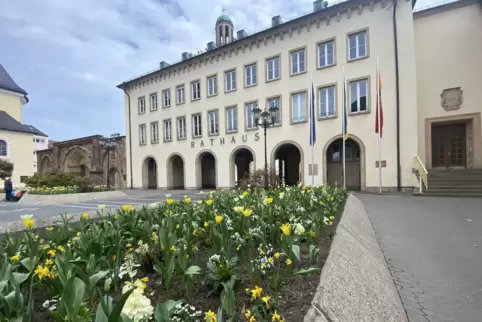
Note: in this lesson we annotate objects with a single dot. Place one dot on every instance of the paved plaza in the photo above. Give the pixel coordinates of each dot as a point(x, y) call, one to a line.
point(434, 250)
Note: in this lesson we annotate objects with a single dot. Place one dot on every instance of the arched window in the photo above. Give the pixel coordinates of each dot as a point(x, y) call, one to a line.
point(3, 148)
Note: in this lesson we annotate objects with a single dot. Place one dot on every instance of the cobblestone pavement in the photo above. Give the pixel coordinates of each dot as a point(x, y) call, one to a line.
point(433, 247)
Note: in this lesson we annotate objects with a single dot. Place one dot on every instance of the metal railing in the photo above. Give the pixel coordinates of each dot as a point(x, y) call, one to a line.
point(421, 173)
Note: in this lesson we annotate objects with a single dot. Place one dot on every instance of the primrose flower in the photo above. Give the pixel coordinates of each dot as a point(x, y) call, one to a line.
point(219, 219)
point(288, 262)
point(127, 208)
point(286, 229)
point(277, 255)
point(28, 221)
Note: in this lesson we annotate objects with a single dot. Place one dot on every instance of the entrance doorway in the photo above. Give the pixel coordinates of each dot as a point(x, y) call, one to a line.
point(175, 172)
point(149, 174)
point(242, 165)
point(334, 164)
point(206, 171)
point(287, 162)
point(449, 145)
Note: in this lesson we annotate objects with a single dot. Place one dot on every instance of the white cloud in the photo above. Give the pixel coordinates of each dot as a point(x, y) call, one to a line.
point(69, 55)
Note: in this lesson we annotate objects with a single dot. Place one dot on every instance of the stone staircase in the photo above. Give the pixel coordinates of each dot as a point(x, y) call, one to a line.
point(454, 183)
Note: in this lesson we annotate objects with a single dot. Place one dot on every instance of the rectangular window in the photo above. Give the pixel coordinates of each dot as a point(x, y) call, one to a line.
point(197, 125)
point(195, 90)
point(181, 128)
point(142, 134)
point(276, 101)
point(212, 86)
point(298, 107)
point(357, 45)
point(141, 104)
point(213, 118)
point(167, 131)
point(250, 121)
point(298, 62)
point(250, 74)
point(180, 95)
point(166, 98)
point(326, 54)
point(273, 68)
point(327, 101)
point(154, 102)
point(232, 119)
point(230, 80)
point(154, 132)
point(359, 96)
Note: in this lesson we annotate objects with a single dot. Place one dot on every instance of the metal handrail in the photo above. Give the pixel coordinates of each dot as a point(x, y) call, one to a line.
point(422, 177)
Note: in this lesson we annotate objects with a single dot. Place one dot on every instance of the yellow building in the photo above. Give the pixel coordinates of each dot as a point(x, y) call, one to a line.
point(16, 139)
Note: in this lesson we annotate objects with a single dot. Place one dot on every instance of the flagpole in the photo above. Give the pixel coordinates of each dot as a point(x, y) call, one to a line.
point(344, 128)
point(312, 112)
point(379, 128)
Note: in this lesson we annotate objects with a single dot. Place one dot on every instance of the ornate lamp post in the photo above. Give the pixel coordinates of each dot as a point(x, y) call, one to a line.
point(108, 144)
point(265, 119)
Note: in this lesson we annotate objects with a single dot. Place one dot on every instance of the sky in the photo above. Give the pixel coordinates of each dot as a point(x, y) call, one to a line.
point(70, 55)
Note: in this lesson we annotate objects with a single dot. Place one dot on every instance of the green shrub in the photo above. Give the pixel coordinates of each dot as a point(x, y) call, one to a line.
point(59, 180)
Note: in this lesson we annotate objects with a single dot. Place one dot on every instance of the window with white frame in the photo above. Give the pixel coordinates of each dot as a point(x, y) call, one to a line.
point(232, 119)
point(250, 121)
point(273, 68)
point(326, 53)
point(250, 75)
point(276, 101)
point(195, 90)
point(3, 148)
point(326, 96)
point(298, 62)
point(141, 104)
point(180, 95)
point(212, 85)
point(167, 130)
point(142, 134)
point(298, 107)
point(181, 128)
point(153, 99)
point(230, 78)
point(166, 98)
point(213, 118)
point(357, 43)
point(196, 125)
point(155, 132)
point(359, 96)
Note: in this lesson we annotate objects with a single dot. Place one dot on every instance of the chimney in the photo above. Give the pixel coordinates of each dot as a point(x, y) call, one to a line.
point(211, 45)
point(275, 21)
point(163, 64)
point(319, 5)
point(186, 55)
point(241, 34)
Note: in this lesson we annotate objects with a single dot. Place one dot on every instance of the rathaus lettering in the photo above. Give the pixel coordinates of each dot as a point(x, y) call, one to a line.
point(222, 140)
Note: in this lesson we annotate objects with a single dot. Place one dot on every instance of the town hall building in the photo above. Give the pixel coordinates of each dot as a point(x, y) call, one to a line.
point(191, 124)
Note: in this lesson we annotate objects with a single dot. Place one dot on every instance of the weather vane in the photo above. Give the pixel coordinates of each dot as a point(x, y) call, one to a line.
point(224, 10)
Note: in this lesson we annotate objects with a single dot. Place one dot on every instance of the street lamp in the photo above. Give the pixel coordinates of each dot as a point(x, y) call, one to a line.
point(108, 144)
point(265, 119)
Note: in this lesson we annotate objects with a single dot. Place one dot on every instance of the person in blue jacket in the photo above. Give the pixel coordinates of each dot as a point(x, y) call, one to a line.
point(8, 186)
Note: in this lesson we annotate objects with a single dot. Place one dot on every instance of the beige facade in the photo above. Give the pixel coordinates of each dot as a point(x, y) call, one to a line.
point(12, 103)
point(19, 147)
point(154, 106)
point(449, 77)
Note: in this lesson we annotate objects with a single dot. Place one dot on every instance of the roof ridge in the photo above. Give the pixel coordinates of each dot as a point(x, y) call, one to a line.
point(7, 82)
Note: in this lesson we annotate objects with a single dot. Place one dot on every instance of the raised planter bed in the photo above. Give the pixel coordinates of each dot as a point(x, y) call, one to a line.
point(32, 199)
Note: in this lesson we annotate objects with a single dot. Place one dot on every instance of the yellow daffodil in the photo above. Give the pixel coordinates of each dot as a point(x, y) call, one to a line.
point(78, 234)
point(127, 208)
point(332, 218)
point(28, 221)
point(276, 317)
point(268, 201)
point(256, 292)
point(286, 229)
point(173, 248)
point(277, 255)
point(270, 259)
point(219, 219)
point(247, 314)
point(187, 200)
point(247, 212)
point(245, 193)
point(194, 232)
point(41, 271)
point(288, 261)
point(51, 253)
point(61, 249)
point(266, 300)
point(170, 201)
point(15, 258)
point(252, 319)
point(312, 233)
point(209, 202)
point(261, 252)
point(211, 316)
point(145, 279)
point(206, 224)
point(84, 216)
point(49, 262)
point(49, 228)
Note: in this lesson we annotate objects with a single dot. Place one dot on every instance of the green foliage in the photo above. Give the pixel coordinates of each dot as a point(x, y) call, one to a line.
point(257, 179)
point(60, 183)
point(6, 169)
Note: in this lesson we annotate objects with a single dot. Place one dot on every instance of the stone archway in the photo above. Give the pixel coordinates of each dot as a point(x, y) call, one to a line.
point(287, 161)
point(76, 161)
point(114, 177)
point(206, 170)
point(242, 163)
point(46, 166)
point(175, 172)
point(149, 173)
point(354, 162)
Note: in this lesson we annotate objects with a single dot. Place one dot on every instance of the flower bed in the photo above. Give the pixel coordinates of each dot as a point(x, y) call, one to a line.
point(250, 256)
point(61, 190)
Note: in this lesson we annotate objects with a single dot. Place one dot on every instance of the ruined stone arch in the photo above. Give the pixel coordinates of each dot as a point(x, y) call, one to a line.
point(77, 160)
point(46, 165)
